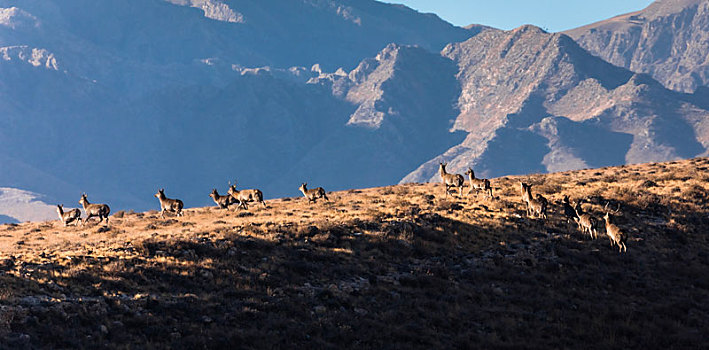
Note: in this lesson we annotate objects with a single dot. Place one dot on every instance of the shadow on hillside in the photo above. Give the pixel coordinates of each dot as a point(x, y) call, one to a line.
point(418, 281)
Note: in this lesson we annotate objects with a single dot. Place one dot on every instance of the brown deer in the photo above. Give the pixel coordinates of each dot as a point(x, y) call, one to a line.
point(615, 235)
point(99, 210)
point(243, 197)
point(167, 204)
point(313, 194)
point(222, 201)
point(535, 206)
point(73, 215)
point(451, 180)
point(569, 211)
point(586, 222)
point(478, 184)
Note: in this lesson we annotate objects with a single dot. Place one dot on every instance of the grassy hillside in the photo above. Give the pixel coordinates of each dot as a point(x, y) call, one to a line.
point(391, 267)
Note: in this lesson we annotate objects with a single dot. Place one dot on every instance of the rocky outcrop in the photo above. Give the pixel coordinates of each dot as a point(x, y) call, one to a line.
point(668, 40)
point(533, 101)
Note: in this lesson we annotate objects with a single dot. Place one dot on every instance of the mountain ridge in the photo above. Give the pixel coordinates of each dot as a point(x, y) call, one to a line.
point(666, 40)
point(513, 80)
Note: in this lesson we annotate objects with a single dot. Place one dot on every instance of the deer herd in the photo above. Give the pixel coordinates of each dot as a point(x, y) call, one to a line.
point(537, 206)
point(234, 196)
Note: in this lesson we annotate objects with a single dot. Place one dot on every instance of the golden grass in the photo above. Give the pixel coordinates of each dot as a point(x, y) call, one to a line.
point(391, 267)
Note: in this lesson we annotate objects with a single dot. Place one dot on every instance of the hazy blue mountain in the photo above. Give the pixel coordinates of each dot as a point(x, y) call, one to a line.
point(118, 98)
point(533, 101)
point(668, 40)
point(8, 220)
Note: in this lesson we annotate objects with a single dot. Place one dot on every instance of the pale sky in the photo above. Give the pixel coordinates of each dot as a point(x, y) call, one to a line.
point(553, 15)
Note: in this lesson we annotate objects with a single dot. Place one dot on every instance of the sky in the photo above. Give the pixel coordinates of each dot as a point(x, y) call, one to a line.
point(552, 15)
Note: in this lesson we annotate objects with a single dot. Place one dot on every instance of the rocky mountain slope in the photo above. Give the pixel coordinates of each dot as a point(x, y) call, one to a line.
point(668, 40)
point(121, 97)
point(533, 101)
point(392, 267)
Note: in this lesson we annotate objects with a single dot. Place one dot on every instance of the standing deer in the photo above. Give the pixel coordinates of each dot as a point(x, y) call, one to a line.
point(478, 184)
point(69, 216)
point(167, 204)
point(535, 206)
point(615, 235)
point(245, 196)
point(451, 180)
point(222, 201)
point(569, 211)
point(586, 222)
point(313, 194)
point(100, 210)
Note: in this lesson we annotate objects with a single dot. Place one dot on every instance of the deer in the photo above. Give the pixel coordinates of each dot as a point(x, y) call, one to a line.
point(73, 215)
point(569, 211)
point(313, 194)
point(586, 222)
point(478, 184)
point(615, 235)
point(451, 180)
point(536, 205)
point(167, 204)
point(542, 200)
point(245, 196)
point(100, 210)
point(222, 201)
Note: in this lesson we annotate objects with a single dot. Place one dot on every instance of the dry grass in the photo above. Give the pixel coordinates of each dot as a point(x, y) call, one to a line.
point(392, 267)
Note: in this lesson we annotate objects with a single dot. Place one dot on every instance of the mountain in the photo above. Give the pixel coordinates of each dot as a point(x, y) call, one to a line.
point(18, 206)
point(533, 101)
point(119, 98)
point(668, 40)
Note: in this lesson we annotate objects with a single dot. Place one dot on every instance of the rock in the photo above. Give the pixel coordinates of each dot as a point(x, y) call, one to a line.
point(643, 41)
point(30, 300)
point(360, 311)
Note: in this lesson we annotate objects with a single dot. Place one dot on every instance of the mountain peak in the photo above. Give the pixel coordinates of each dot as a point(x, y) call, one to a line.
point(667, 40)
point(528, 28)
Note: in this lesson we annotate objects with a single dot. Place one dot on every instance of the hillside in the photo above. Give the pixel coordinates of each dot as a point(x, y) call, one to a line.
point(390, 267)
point(667, 40)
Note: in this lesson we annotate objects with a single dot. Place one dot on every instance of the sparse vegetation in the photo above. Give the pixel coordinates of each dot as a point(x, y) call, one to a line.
point(392, 267)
